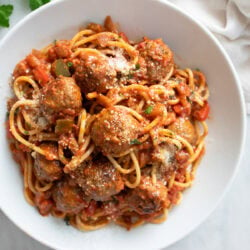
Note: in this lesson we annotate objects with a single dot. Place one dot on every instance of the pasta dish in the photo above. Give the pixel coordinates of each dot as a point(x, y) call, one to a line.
point(106, 129)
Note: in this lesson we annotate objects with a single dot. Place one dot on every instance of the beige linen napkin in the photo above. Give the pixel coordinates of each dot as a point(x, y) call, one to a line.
point(229, 21)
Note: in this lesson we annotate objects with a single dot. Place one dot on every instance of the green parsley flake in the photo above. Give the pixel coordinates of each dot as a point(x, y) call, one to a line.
point(34, 4)
point(5, 13)
point(137, 66)
point(135, 142)
point(148, 110)
point(69, 64)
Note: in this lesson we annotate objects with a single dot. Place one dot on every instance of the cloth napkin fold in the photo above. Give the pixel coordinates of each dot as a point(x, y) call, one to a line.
point(229, 21)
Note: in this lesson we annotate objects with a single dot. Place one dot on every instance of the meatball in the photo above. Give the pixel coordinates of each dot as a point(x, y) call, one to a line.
point(158, 57)
point(148, 198)
point(44, 169)
point(184, 128)
point(114, 129)
point(61, 97)
point(94, 73)
point(98, 179)
point(68, 198)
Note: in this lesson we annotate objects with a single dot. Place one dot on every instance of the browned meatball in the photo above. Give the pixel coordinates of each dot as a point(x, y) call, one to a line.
point(98, 179)
point(61, 97)
point(114, 129)
point(158, 57)
point(94, 73)
point(68, 198)
point(44, 169)
point(148, 198)
point(184, 128)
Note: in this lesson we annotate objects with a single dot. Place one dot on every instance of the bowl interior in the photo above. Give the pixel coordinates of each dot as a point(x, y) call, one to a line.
point(193, 47)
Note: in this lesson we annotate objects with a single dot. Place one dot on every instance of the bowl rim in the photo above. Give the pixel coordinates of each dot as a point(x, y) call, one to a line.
point(241, 100)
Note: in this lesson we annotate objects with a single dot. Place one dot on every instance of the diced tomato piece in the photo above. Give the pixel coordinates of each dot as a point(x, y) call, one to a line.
point(202, 113)
point(45, 207)
point(183, 89)
point(33, 61)
point(41, 75)
point(182, 110)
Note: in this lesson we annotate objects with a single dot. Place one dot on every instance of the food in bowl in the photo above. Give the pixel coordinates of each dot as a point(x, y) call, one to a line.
point(106, 129)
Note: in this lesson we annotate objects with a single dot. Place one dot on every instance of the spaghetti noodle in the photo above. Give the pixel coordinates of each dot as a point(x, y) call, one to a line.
point(105, 129)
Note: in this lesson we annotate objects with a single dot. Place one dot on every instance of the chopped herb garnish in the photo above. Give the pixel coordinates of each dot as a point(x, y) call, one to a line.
point(130, 76)
point(69, 64)
point(55, 41)
point(135, 142)
point(26, 132)
point(172, 97)
point(137, 66)
point(148, 110)
point(67, 219)
point(197, 69)
point(5, 13)
point(34, 4)
point(121, 94)
point(7, 114)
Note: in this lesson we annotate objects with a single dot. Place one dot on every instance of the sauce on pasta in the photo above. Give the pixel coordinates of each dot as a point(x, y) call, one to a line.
point(106, 129)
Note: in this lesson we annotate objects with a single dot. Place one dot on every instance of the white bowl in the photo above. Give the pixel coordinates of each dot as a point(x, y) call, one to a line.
point(194, 46)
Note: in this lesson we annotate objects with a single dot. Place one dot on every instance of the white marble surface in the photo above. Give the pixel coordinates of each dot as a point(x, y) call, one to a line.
point(227, 228)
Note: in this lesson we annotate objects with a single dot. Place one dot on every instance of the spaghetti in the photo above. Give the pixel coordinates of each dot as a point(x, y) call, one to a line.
point(105, 129)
